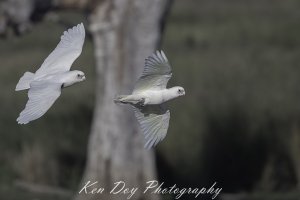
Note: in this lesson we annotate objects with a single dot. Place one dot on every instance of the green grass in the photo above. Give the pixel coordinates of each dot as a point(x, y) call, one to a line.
point(14, 193)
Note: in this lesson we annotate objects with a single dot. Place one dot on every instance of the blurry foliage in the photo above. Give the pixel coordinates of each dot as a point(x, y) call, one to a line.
point(14, 193)
point(35, 165)
point(238, 62)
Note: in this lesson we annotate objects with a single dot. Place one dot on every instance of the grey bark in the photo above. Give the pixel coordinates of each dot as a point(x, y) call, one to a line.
point(124, 33)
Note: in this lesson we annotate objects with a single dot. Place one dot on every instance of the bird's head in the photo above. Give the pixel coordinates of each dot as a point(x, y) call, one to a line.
point(73, 77)
point(178, 91)
point(79, 76)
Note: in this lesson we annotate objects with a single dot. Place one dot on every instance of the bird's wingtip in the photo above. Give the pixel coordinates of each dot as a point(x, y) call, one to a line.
point(164, 55)
point(81, 25)
point(21, 122)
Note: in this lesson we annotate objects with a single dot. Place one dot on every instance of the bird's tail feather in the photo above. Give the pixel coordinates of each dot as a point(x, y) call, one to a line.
point(119, 99)
point(125, 99)
point(24, 82)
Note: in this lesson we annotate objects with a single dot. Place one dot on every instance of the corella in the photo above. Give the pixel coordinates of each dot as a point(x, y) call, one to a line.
point(148, 98)
point(54, 74)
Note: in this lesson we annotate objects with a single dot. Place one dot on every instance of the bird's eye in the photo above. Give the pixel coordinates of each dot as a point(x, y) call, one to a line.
point(179, 90)
point(78, 75)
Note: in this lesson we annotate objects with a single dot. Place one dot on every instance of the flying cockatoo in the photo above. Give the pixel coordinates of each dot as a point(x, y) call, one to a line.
point(46, 83)
point(148, 97)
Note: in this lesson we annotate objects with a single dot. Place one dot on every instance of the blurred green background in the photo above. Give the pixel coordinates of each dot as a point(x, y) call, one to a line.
point(238, 125)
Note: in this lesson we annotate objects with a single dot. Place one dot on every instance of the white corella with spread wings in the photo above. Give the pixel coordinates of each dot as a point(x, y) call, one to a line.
point(148, 96)
point(54, 74)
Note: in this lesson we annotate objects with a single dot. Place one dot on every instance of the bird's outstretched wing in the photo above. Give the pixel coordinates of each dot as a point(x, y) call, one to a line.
point(65, 53)
point(154, 122)
point(156, 74)
point(42, 95)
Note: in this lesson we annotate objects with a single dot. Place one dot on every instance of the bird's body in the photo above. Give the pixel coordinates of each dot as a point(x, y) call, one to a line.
point(148, 97)
point(151, 97)
point(54, 74)
point(65, 79)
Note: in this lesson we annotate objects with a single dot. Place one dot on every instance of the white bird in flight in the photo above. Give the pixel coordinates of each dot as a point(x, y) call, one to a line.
point(46, 83)
point(148, 96)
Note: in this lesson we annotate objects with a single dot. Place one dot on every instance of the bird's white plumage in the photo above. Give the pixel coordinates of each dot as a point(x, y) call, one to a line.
point(149, 94)
point(24, 81)
point(153, 119)
point(46, 83)
point(65, 53)
point(156, 64)
point(156, 73)
point(41, 96)
point(154, 122)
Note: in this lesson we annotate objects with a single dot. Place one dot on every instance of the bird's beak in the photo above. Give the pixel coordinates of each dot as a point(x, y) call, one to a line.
point(83, 78)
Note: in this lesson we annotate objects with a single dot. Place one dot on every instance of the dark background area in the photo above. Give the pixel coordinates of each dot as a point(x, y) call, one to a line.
point(238, 125)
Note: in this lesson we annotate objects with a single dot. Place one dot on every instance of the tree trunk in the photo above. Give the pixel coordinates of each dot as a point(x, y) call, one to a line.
point(125, 32)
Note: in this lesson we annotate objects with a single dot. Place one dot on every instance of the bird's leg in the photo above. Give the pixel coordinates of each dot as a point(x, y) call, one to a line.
point(141, 102)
